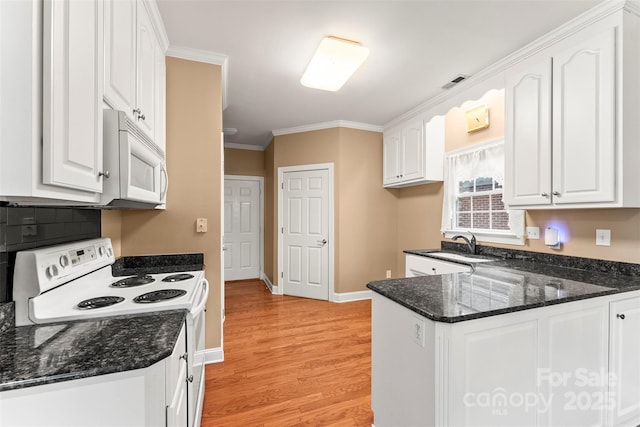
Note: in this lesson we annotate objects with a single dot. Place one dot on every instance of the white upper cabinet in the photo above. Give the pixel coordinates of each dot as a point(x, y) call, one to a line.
point(413, 152)
point(570, 134)
point(72, 94)
point(134, 76)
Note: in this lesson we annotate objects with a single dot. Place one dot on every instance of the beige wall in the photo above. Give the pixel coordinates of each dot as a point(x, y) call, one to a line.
point(419, 208)
point(112, 227)
point(194, 123)
point(243, 162)
point(364, 212)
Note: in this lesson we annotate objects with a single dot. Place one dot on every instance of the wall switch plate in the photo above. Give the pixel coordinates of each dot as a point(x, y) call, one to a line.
point(388, 274)
point(417, 331)
point(201, 225)
point(533, 233)
point(603, 237)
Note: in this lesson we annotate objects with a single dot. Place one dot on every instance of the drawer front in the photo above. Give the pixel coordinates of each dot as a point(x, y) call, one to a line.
point(416, 266)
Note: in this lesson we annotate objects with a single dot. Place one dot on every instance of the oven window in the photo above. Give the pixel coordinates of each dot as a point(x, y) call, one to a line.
point(142, 174)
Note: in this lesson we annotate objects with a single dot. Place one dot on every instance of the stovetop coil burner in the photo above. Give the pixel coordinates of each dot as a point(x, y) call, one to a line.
point(178, 277)
point(99, 302)
point(158, 296)
point(130, 282)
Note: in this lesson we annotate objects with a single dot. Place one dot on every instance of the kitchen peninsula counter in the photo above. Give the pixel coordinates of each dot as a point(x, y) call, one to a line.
point(499, 286)
point(35, 355)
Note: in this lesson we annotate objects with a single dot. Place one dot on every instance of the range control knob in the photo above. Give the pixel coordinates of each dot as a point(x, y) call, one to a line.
point(64, 261)
point(101, 250)
point(51, 271)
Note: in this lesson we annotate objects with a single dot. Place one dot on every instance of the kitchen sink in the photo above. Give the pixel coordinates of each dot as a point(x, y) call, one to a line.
point(458, 257)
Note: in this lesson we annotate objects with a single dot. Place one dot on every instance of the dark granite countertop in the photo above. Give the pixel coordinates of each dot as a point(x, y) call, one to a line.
point(42, 354)
point(146, 264)
point(502, 286)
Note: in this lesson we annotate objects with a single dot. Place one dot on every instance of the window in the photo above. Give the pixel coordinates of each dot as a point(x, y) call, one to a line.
point(473, 196)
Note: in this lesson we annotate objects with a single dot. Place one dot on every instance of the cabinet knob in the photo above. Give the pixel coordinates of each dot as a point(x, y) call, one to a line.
point(141, 116)
point(620, 316)
point(184, 356)
point(544, 194)
point(138, 112)
point(555, 193)
point(433, 269)
point(190, 378)
point(106, 174)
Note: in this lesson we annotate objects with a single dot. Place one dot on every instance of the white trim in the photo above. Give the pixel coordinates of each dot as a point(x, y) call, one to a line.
point(260, 181)
point(266, 281)
point(320, 166)
point(351, 296)
point(488, 237)
point(328, 125)
point(205, 56)
point(213, 355)
point(243, 146)
point(158, 24)
point(484, 79)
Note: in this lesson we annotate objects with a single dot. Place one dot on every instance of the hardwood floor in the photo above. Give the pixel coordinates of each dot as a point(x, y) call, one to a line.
point(290, 361)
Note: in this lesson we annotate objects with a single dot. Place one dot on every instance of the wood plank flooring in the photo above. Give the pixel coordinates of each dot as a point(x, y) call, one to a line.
point(290, 362)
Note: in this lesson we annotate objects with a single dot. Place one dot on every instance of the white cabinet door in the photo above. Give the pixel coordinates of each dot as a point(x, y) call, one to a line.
point(391, 158)
point(147, 79)
point(492, 364)
point(624, 365)
point(572, 373)
point(412, 155)
point(120, 54)
point(72, 94)
point(528, 135)
point(584, 117)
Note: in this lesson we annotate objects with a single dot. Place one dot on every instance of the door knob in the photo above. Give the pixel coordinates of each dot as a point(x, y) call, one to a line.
point(322, 242)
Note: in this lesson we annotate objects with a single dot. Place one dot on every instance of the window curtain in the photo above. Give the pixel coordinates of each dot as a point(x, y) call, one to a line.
point(481, 160)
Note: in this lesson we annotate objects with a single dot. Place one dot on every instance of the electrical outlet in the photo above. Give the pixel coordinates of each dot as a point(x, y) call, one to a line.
point(533, 233)
point(201, 225)
point(388, 274)
point(418, 331)
point(603, 237)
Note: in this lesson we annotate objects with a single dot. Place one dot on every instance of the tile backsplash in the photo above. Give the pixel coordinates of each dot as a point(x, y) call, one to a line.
point(31, 227)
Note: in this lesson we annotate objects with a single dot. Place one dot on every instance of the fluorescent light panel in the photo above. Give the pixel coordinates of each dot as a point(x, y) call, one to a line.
point(333, 63)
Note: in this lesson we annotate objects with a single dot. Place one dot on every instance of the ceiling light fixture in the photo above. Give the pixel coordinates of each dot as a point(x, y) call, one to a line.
point(333, 63)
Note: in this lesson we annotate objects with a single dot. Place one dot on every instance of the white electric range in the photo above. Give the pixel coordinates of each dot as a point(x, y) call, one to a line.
point(74, 281)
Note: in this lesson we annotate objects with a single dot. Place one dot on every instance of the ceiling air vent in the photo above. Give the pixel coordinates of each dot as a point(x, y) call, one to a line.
point(457, 79)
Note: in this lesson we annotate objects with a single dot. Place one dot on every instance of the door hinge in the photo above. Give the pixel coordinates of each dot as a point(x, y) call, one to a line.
point(282, 274)
point(282, 230)
point(282, 185)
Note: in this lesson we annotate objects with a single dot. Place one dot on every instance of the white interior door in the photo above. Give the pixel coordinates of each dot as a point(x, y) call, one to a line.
point(241, 229)
point(305, 233)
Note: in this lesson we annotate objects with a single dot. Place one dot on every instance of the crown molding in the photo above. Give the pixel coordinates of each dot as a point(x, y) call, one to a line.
point(158, 24)
point(205, 56)
point(243, 146)
point(328, 125)
point(489, 73)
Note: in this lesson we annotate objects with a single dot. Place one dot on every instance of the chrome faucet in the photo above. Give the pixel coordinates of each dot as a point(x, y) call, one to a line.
point(471, 244)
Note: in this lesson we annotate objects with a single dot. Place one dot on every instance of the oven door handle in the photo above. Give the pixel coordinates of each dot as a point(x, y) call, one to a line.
point(203, 300)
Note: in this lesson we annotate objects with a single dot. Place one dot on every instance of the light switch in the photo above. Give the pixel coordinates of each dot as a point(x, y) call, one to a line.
point(201, 225)
point(603, 237)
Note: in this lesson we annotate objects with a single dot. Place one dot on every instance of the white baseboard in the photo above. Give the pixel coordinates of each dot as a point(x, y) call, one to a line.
point(213, 355)
point(351, 296)
point(273, 289)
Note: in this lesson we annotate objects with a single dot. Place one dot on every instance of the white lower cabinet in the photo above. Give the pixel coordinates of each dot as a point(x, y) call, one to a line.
point(548, 366)
point(132, 398)
point(624, 361)
point(416, 265)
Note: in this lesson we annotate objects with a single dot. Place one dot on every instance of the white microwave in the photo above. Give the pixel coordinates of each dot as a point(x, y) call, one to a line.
point(134, 166)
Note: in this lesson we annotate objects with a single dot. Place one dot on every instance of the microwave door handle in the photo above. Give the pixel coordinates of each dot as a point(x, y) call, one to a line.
point(203, 300)
point(163, 193)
